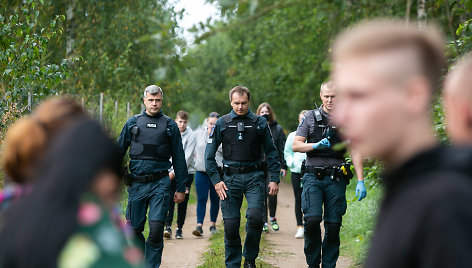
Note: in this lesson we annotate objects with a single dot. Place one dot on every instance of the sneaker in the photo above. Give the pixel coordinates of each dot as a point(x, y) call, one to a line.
point(265, 228)
point(300, 233)
point(249, 264)
point(198, 231)
point(213, 230)
point(178, 233)
point(274, 225)
point(168, 232)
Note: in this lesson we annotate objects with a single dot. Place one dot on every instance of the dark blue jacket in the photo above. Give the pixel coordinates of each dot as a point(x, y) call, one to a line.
point(267, 144)
point(143, 167)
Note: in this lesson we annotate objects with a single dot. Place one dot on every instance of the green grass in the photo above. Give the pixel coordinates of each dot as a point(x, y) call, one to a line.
point(358, 223)
point(214, 257)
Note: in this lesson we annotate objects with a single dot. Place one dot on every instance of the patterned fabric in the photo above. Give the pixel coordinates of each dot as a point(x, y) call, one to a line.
point(101, 240)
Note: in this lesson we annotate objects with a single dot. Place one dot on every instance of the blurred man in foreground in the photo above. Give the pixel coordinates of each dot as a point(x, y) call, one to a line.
point(385, 73)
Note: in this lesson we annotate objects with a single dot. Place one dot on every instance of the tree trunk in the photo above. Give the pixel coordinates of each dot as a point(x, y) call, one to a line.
point(408, 11)
point(421, 13)
point(70, 29)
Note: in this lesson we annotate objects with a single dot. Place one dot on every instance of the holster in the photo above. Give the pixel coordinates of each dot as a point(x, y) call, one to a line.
point(127, 178)
point(346, 172)
point(303, 168)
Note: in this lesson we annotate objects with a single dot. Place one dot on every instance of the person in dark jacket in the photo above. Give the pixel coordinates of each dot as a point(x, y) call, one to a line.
point(266, 111)
point(386, 75)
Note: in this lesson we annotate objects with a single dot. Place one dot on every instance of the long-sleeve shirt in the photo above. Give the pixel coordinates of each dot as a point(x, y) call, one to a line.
point(215, 140)
point(201, 138)
point(294, 159)
point(188, 142)
point(144, 167)
point(278, 136)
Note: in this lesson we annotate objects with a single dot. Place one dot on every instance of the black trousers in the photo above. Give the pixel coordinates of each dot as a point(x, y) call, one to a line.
point(270, 201)
point(297, 192)
point(181, 208)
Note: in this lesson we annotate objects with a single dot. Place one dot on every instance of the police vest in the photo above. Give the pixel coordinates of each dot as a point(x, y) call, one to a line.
point(242, 139)
point(323, 129)
point(150, 139)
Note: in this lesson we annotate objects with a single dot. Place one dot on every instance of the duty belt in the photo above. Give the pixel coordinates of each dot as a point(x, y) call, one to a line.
point(150, 177)
point(322, 172)
point(243, 170)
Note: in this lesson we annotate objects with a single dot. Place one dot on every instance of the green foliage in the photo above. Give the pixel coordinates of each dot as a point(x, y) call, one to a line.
point(24, 66)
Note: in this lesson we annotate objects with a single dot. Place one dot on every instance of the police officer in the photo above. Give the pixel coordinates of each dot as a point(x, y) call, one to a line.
point(325, 180)
point(153, 139)
point(244, 136)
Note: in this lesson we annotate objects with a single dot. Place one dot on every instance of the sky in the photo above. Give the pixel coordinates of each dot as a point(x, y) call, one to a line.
point(195, 11)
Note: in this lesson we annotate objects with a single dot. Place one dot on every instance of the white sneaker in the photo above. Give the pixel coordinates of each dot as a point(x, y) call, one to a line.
point(300, 233)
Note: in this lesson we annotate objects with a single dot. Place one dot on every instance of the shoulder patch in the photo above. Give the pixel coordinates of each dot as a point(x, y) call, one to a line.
point(301, 122)
point(212, 131)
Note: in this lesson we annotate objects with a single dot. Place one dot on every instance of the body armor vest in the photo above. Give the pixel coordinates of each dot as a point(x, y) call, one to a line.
point(149, 139)
point(242, 139)
point(323, 129)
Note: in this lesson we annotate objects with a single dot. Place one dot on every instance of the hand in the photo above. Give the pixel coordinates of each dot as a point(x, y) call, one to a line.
point(273, 188)
point(187, 190)
point(283, 172)
point(324, 143)
point(221, 189)
point(171, 175)
point(179, 197)
point(360, 190)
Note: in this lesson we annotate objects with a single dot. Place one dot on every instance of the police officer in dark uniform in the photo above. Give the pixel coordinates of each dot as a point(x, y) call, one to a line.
point(245, 137)
point(325, 180)
point(153, 139)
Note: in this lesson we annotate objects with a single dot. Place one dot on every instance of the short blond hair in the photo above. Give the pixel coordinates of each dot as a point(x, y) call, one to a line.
point(376, 36)
point(328, 85)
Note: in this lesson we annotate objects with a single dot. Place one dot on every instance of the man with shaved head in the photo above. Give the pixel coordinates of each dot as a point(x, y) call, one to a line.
point(386, 73)
point(458, 102)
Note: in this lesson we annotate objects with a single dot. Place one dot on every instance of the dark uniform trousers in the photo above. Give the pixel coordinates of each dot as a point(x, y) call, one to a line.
point(252, 185)
point(333, 194)
point(156, 196)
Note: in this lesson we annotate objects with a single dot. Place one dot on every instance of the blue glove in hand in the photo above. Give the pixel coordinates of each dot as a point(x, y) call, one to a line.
point(324, 143)
point(360, 190)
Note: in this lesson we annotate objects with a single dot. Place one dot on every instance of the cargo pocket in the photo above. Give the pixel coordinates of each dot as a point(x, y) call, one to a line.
point(305, 200)
point(341, 205)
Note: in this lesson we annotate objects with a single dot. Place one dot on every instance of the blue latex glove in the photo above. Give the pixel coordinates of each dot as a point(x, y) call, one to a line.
point(324, 143)
point(360, 190)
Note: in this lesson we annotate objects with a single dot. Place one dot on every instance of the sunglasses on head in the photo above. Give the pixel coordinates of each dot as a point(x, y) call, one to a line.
point(214, 114)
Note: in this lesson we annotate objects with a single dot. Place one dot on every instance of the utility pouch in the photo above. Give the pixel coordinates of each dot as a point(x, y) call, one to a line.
point(127, 178)
point(346, 172)
point(303, 168)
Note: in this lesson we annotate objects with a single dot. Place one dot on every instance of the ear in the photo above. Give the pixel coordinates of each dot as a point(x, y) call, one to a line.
point(418, 95)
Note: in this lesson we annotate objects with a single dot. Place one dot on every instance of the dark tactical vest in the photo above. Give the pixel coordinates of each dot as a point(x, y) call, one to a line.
point(323, 129)
point(149, 138)
point(242, 139)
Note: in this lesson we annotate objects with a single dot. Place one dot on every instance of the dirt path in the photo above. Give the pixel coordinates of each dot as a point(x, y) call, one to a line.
point(286, 251)
point(187, 252)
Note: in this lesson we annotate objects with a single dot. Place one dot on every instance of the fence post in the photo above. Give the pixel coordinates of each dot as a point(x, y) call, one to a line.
point(116, 108)
point(127, 110)
point(83, 103)
point(101, 108)
point(29, 100)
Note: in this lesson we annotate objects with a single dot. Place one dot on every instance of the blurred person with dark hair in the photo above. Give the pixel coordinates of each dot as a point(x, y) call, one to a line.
point(265, 110)
point(27, 140)
point(70, 217)
point(153, 138)
point(203, 185)
point(386, 73)
point(188, 143)
point(294, 161)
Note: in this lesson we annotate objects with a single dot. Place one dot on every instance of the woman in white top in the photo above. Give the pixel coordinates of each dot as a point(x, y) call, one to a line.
point(294, 162)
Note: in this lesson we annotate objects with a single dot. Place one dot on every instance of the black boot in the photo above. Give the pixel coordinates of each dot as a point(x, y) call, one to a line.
point(249, 264)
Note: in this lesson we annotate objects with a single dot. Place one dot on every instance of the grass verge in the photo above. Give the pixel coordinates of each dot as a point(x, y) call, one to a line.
point(214, 257)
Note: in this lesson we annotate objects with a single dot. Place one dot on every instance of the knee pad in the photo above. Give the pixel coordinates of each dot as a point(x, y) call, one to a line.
point(156, 229)
point(255, 218)
point(231, 229)
point(332, 232)
point(312, 225)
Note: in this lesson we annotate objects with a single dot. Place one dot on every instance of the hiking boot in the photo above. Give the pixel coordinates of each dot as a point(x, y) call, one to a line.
point(168, 232)
point(178, 233)
point(249, 264)
point(274, 225)
point(213, 230)
point(265, 228)
point(300, 233)
point(198, 231)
